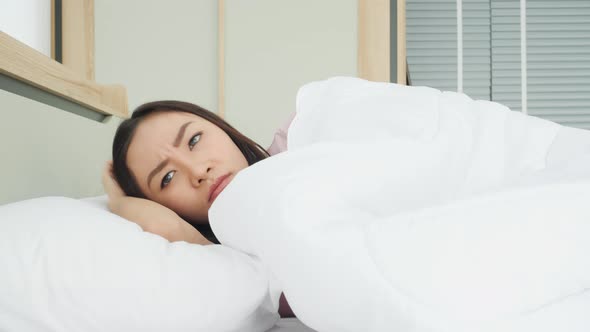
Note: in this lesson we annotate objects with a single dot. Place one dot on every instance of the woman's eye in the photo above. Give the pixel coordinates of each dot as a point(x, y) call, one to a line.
point(193, 141)
point(167, 178)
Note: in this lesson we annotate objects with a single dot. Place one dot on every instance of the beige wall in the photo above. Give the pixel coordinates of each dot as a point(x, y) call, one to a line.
point(158, 49)
point(49, 152)
point(168, 50)
point(273, 47)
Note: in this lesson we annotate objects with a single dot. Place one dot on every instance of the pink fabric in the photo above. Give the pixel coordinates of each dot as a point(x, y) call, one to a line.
point(278, 145)
point(279, 142)
point(285, 310)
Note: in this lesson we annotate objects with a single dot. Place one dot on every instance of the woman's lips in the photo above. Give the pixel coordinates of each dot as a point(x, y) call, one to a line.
point(218, 187)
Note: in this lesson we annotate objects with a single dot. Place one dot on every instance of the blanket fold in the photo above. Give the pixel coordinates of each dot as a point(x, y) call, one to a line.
point(402, 209)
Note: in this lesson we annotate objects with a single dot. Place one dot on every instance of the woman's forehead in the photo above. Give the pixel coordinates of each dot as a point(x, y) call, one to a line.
point(159, 130)
point(164, 124)
point(169, 120)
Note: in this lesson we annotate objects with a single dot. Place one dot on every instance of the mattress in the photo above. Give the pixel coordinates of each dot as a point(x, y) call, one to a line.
point(290, 325)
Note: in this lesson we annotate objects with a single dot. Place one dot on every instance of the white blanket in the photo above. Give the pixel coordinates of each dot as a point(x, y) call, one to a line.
point(408, 209)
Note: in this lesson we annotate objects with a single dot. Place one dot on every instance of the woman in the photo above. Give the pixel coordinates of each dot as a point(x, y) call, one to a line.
point(171, 160)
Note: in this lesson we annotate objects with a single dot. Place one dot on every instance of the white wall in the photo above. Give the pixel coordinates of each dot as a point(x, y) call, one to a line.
point(28, 21)
point(273, 47)
point(168, 50)
point(162, 50)
point(49, 152)
point(158, 49)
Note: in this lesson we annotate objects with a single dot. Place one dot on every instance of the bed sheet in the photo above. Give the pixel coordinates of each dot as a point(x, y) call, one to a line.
point(290, 325)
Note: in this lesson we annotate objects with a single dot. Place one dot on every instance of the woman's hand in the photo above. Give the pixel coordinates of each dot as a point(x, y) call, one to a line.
point(110, 185)
point(149, 215)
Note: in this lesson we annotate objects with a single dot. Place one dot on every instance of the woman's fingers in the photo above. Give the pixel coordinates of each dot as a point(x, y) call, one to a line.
point(111, 186)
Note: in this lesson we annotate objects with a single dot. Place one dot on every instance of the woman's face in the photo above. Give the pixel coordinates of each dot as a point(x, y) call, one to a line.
point(183, 162)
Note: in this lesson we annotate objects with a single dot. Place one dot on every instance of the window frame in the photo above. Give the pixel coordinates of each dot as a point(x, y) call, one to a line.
point(73, 79)
point(374, 61)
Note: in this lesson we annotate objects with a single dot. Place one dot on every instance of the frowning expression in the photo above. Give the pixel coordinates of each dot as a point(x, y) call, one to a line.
point(183, 162)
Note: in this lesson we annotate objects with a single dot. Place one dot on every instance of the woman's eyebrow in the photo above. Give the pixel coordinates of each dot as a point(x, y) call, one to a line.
point(163, 163)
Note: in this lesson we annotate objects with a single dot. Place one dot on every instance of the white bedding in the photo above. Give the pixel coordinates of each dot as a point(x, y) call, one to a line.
point(67, 265)
point(408, 209)
point(290, 325)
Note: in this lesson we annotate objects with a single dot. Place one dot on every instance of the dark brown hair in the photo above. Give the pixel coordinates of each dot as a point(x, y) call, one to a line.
point(251, 150)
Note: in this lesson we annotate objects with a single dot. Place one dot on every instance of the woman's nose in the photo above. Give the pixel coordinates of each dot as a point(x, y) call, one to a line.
point(197, 171)
point(199, 174)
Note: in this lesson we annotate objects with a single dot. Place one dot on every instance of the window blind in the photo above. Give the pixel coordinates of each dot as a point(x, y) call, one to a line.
point(476, 49)
point(432, 45)
point(557, 80)
point(558, 58)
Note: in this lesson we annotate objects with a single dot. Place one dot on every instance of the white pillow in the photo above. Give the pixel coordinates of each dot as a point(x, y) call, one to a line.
point(101, 202)
point(69, 266)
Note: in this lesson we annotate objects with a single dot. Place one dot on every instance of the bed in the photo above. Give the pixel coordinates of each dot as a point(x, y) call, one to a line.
point(56, 158)
point(290, 325)
point(401, 208)
point(411, 245)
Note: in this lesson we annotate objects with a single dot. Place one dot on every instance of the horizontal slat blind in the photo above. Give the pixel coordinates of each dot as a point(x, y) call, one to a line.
point(558, 53)
point(558, 58)
point(505, 52)
point(432, 45)
point(476, 49)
